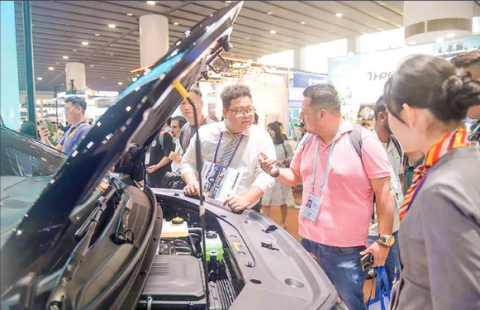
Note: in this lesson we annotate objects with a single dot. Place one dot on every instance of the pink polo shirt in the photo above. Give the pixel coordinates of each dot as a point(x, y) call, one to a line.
point(347, 199)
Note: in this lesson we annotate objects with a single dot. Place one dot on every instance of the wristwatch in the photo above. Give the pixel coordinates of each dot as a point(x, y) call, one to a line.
point(275, 175)
point(386, 241)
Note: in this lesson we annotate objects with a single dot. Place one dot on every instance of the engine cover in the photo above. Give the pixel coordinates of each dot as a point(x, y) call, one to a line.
point(175, 280)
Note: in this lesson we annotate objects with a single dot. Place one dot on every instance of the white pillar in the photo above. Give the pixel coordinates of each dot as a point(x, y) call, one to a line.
point(75, 71)
point(299, 58)
point(153, 38)
point(429, 21)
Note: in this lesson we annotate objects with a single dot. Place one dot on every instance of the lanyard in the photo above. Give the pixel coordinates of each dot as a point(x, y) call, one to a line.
point(187, 134)
point(72, 132)
point(234, 151)
point(326, 164)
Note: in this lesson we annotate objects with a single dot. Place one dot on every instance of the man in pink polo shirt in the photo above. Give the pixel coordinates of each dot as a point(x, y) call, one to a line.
point(338, 191)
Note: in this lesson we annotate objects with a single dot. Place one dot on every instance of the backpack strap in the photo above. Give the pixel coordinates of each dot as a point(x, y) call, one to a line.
point(397, 145)
point(355, 137)
point(307, 140)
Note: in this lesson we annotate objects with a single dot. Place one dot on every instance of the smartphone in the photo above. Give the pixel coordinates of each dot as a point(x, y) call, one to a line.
point(367, 261)
point(41, 122)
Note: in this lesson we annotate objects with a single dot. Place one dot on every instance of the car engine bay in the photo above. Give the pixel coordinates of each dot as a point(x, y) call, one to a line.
point(177, 279)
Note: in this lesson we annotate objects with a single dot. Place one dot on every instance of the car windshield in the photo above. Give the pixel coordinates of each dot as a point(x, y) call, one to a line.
point(27, 167)
point(25, 157)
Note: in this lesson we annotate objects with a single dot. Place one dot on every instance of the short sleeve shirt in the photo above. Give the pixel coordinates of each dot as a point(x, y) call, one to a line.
point(73, 135)
point(347, 198)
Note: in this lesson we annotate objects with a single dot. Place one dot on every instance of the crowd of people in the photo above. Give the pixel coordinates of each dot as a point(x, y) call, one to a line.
point(405, 191)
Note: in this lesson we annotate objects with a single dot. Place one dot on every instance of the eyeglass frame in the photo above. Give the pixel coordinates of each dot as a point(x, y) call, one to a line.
point(245, 112)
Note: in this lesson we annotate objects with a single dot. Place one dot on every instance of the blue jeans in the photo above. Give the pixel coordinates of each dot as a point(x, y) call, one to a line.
point(343, 267)
point(393, 259)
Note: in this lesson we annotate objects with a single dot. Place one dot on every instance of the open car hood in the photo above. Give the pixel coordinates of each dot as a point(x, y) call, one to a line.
point(136, 116)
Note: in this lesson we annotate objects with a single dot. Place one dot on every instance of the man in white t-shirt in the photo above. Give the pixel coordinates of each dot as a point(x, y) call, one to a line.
point(395, 157)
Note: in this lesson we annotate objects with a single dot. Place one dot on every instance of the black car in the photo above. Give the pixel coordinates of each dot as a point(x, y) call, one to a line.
point(76, 236)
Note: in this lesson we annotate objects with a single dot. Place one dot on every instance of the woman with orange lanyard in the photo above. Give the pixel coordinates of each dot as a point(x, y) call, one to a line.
point(439, 234)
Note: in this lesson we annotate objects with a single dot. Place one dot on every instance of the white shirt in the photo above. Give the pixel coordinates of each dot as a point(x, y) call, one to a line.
point(396, 169)
point(178, 150)
point(255, 140)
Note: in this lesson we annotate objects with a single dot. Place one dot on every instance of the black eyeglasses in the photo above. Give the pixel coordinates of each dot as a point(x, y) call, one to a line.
point(248, 112)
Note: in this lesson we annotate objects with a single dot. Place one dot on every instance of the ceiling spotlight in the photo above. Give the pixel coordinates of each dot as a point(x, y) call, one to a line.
point(440, 39)
point(303, 23)
point(85, 43)
point(412, 43)
point(111, 26)
point(39, 78)
point(339, 15)
point(51, 68)
point(97, 34)
point(74, 50)
point(175, 23)
point(151, 2)
point(65, 57)
point(451, 35)
point(91, 66)
point(120, 83)
point(273, 32)
point(269, 13)
point(129, 14)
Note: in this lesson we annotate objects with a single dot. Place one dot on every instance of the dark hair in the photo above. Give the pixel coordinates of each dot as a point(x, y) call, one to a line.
point(380, 106)
point(430, 82)
point(197, 91)
point(278, 134)
point(76, 101)
point(29, 129)
point(323, 96)
point(465, 60)
point(255, 120)
point(232, 92)
point(181, 120)
point(169, 121)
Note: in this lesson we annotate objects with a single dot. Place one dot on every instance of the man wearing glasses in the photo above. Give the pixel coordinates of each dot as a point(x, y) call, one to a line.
point(234, 143)
point(75, 113)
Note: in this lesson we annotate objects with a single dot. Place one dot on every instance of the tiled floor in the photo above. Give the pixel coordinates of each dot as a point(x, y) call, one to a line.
point(292, 227)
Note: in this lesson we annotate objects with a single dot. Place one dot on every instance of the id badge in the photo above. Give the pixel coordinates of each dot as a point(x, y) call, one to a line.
point(312, 207)
point(398, 194)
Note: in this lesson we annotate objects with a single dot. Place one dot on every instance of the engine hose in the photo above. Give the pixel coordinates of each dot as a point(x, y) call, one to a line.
point(194, 248)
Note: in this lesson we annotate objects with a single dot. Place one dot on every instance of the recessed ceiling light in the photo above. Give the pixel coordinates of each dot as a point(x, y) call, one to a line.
point(273, 32)
point(412, 43)
point(228, 2)
point(103, 77)
point(120, 83)
point(97, 34)
point(303, 23)
point(339, 15)
point(91, 66)
point(39, 78)
point(85, 43)
point(151, 2)
point(65, 57)
point(51, 68)
point(111, 54)
point(440, 39)
point(247, 38)
point(129, 14)
point(74, 50)
point(111, 26)
point(175, 23)
point(269, 13)
point(451, 35)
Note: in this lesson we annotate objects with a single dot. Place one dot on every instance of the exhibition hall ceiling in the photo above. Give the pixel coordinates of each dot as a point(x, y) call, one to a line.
point(64, 28)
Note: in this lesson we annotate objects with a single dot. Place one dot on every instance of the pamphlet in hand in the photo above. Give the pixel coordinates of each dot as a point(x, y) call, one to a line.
point(219, 182)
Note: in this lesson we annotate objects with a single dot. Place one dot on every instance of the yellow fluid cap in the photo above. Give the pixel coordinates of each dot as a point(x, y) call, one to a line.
point(177, 220)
